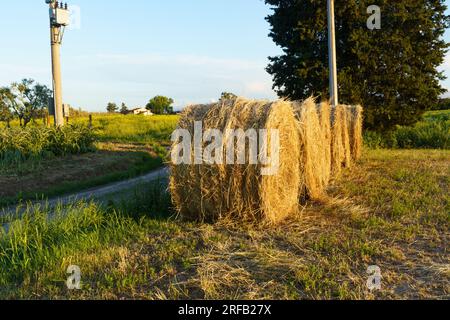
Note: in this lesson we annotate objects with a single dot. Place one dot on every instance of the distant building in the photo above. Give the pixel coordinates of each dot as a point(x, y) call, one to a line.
point(142, 112)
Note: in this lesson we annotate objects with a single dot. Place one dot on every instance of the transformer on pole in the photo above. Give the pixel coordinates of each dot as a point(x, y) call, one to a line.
point(59, 19)
point(334, 94)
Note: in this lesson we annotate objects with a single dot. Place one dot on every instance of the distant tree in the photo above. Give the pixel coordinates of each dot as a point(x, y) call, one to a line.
point(443, 104)
point(393, 71)
point(112, 107)
point(228, 96)
point(31, 99)
point(5, 106)
point(124, 109)
point(160, 105)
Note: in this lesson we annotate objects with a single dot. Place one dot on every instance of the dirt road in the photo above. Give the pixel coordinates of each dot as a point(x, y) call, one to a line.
point(100, 192)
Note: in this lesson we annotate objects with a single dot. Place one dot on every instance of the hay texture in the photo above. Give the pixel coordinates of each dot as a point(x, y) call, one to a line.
point(212, 191)
point(348, 162)
point(340, 140)
point(315, 161)
point(355, 122)
point(324, 110)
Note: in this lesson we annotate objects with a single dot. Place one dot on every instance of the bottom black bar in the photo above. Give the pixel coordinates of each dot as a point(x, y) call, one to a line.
point(220, 309)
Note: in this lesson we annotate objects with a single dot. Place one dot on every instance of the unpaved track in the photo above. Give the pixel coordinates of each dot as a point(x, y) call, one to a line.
point(99, 192)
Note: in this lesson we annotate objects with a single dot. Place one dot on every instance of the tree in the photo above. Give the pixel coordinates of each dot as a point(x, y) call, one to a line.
point(30, 100)
point(160, 105)
point(112, 107)
point(228, 96)
point(5, 106)
point(124, 109)
point(392, 72)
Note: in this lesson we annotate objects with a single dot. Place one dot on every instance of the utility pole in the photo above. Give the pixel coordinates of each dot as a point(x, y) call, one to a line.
point(59, 19)
point(334, 94)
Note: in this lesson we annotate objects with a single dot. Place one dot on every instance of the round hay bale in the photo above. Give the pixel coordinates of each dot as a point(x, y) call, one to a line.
point(314, 163)
point(219, 189)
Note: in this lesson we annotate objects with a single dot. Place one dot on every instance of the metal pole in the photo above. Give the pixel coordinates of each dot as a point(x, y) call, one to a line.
point(332, 55)
point(55, 34)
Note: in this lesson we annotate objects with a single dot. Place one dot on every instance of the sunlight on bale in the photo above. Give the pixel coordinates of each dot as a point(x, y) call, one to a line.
point(324, 110)
point(208, 192)
point(315, 162)
point(355, 121)
point(316, 143)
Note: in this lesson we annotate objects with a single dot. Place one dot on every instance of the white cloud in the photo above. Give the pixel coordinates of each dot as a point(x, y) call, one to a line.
point(258, 87)
point(189, 60)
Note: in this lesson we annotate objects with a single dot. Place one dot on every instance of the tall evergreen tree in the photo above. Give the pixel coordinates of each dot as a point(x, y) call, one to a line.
point(124, 108)
point(391, 71)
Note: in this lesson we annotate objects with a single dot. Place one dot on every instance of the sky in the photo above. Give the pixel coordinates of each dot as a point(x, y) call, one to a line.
point(130, 51)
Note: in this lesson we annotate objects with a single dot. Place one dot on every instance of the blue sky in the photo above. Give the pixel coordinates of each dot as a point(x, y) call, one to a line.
point(129, 51)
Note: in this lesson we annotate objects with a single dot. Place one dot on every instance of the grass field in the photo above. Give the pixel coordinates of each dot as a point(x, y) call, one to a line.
point(391, 211)
point(126, 146)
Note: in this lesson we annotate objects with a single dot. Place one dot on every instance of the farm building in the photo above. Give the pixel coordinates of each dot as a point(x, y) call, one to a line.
point(142, 111)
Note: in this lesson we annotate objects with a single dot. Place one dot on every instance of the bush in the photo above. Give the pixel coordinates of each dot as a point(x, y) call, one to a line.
point(20, 144)
point(431, 133)
point(424, 135)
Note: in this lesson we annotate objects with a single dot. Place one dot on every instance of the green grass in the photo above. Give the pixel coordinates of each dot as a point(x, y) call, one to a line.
point(133, 129)
point(433, 132)
point(391, 210)
point(125, 128)
point(127, 146)
point(20, 144)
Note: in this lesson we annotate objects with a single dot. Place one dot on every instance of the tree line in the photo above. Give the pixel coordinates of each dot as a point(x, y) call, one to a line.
point(157, 105)
point(25, 100)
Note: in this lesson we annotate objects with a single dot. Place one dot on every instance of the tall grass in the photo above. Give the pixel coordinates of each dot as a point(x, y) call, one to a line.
point(433, 132)
point(44, 241)
point(434, 135)
point(125, 128)
point(133, 129)
point(20, 144)
point(41, 239)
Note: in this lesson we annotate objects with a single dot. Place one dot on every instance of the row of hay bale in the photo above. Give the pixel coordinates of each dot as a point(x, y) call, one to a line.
point(316, 143)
